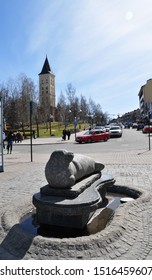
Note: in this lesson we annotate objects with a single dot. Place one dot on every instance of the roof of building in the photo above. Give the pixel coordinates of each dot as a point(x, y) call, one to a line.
point(46, 67)
point(141, 89)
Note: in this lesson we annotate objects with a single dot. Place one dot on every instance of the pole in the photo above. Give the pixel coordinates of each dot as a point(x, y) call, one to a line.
point(50, 123)
point(75, 127)
point(149, 139)
point(31, 132)
point(149, 130)
point(50, 128)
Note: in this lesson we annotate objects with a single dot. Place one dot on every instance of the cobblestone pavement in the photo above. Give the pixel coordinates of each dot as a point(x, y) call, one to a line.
point(129, 235)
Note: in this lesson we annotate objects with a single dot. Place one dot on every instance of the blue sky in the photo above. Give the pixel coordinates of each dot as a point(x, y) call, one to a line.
point(102, 47)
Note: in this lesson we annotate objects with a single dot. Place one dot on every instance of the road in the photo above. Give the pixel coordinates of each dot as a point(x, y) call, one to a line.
point(122, 150)
point(131, 140)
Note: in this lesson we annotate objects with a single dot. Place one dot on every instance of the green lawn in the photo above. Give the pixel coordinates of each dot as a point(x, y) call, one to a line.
point(57, 128)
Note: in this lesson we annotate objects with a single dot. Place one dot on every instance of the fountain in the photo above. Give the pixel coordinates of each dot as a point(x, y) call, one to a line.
point(79, 214)
point(76, 189)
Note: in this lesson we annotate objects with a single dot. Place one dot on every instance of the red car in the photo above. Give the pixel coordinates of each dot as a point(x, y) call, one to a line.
point(93, 136)
point(147, 129)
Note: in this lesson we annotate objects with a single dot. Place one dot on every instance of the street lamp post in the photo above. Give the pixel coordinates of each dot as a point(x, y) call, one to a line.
point(31, 131)
point(149, 115)
point(51, 119)
point(75, 126)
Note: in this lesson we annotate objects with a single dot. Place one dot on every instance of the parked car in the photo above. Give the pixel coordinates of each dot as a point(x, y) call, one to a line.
point(127, 125)
point(115, 131)
point(147, 129)
point(93, 136)
point(140, 126)
point(134, 125)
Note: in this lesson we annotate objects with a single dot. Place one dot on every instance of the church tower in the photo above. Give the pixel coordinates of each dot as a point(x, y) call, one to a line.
point(47, 89)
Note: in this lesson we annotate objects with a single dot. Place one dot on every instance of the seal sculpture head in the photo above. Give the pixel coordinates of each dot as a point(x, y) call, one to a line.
point(64, 168)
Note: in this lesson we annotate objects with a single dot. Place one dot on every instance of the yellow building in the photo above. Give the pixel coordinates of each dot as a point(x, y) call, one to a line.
point(145, 98)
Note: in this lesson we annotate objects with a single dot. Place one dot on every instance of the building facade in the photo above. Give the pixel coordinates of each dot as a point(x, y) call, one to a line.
point(145, 98)
point(47, 97)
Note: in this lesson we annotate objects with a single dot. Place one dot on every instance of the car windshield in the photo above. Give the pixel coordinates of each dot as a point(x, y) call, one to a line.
point(114, 128)
point(88, 132)
point(98, 127)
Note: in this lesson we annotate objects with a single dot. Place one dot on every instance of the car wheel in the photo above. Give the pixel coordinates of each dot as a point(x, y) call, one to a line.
point(106, 139)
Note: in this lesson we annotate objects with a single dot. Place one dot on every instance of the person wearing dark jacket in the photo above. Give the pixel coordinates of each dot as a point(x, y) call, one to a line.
point(9, 142)
point(68, 134)
point(64, 133)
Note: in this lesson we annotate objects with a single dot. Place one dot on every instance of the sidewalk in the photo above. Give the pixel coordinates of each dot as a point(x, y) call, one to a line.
point(131, 237)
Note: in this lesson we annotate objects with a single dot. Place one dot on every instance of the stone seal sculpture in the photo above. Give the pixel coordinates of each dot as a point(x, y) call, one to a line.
point(64, 168)
point(76, 189)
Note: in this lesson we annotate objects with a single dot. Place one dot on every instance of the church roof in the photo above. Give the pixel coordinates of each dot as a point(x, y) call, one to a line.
point(46, 67)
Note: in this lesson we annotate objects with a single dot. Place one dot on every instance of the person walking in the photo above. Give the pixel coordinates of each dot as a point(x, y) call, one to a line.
point(68, 134)
point(64, 133)
point(9, 142)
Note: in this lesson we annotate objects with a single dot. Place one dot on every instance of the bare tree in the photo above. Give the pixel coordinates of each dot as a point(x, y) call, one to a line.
point(84, 109)
point(9, 94)
point(95, 112)
point(26, 92)
point(17, 95)
point(61, 106)
point(73, 102)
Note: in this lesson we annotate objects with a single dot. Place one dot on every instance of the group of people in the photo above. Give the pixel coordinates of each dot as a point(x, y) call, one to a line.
point(10, 138)
point(66, 133)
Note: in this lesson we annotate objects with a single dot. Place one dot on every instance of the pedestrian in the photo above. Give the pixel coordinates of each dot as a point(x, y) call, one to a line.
point(68, 134)
point(9, 142)
point(18, 137)
point(64, 133)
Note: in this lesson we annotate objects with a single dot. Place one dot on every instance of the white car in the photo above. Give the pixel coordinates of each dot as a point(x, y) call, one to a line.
point(115, 131)
point(107, 127)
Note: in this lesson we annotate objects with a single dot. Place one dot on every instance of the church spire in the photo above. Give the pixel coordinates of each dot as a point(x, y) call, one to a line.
point(46, 67)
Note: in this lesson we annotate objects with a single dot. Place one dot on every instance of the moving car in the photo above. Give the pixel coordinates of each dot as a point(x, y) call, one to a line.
point(147, 129)
point(93, 136)
point(115, 131)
